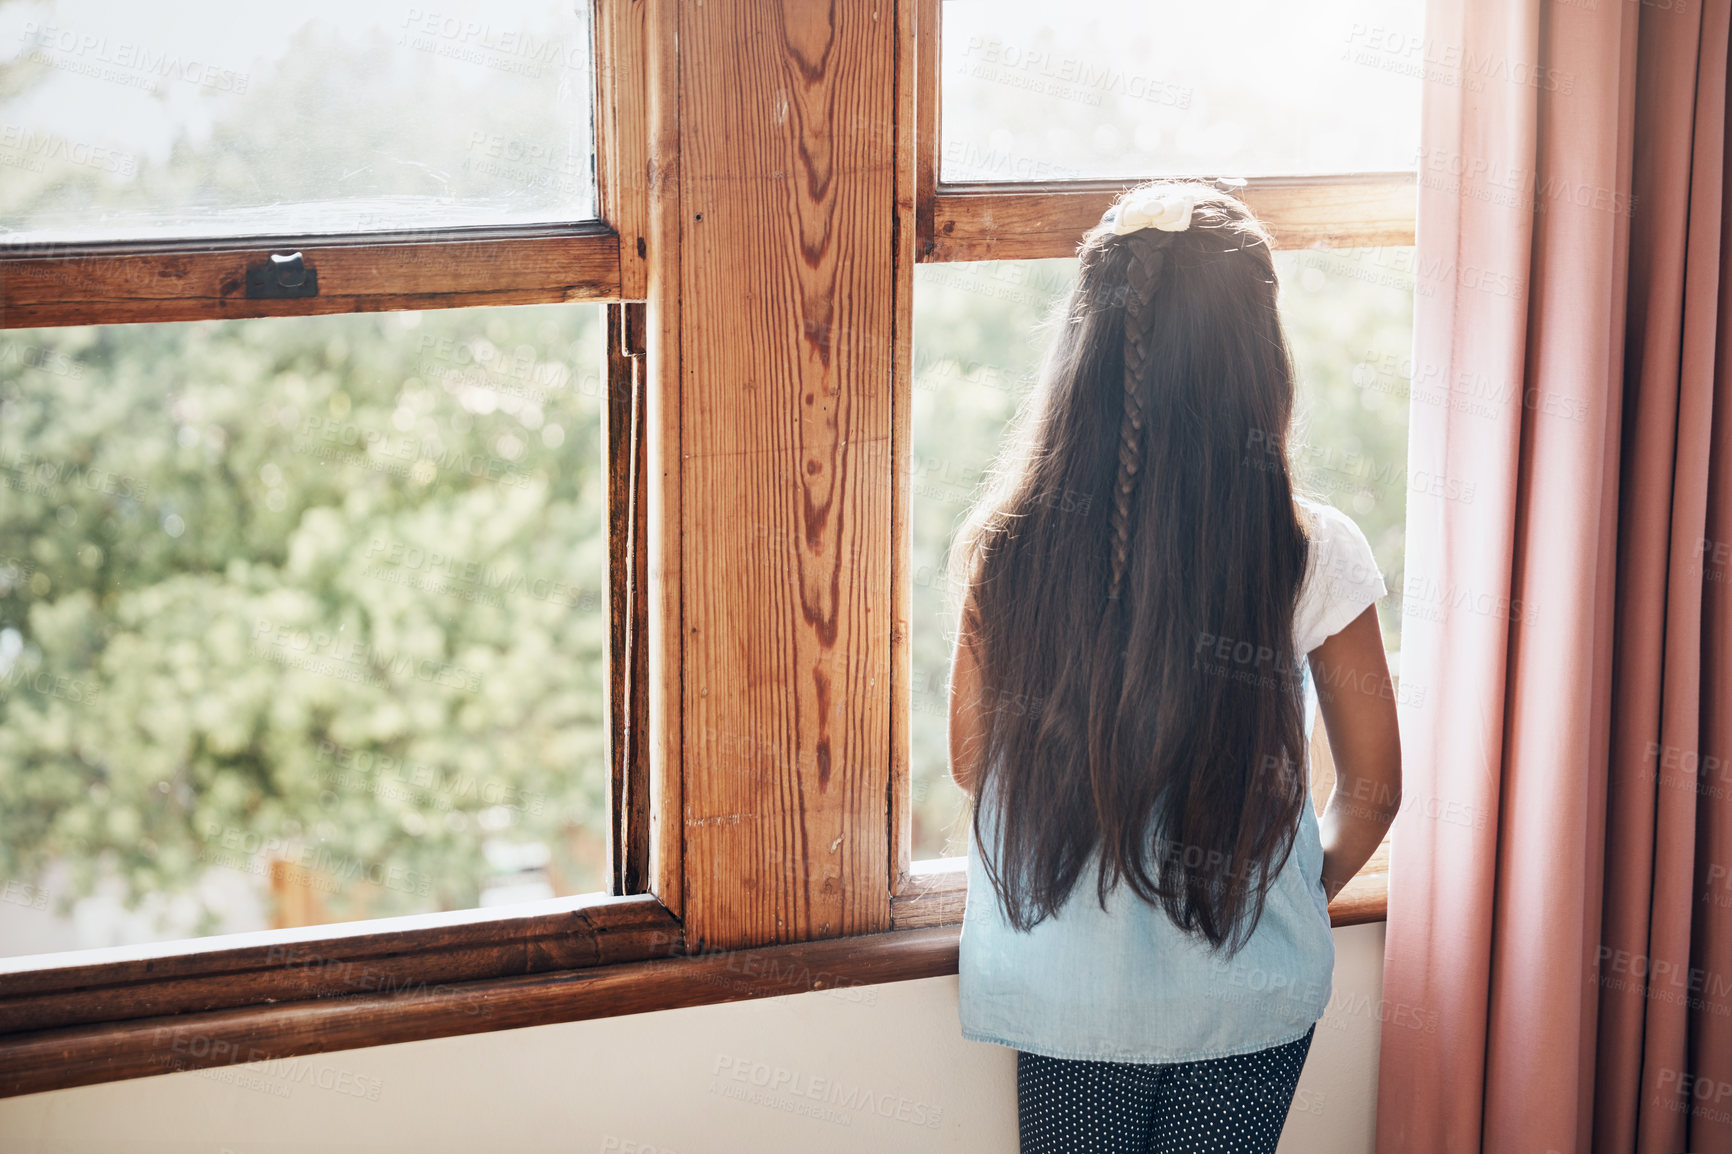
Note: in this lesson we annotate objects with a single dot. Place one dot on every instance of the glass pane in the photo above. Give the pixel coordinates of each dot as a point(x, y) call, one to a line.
point(197, 118)
point(1107, 89)
point(1348, 315)
point(301, 620)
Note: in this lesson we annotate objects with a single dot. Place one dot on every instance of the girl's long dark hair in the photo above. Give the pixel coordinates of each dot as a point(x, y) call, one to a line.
point(1133, 582)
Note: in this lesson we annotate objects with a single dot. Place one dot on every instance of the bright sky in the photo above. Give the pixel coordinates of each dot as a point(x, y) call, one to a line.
point(244, 36)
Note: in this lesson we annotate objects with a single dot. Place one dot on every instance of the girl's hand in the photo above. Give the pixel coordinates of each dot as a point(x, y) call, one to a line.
point(1357, 700)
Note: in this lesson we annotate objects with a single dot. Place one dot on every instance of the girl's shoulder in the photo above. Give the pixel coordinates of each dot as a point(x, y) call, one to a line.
point(1341, 574)
point(1329, 530)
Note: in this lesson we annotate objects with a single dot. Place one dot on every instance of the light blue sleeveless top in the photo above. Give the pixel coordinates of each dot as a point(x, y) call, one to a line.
point(1126, 984)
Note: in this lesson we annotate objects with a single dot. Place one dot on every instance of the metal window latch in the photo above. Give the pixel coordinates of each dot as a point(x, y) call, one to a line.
point(283, 276)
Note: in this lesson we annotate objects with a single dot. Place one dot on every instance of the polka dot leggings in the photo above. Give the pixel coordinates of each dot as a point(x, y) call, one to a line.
point(1234, 1105)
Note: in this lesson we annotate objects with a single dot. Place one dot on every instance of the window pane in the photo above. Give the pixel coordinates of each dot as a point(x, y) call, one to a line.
point(1348, 315)
point(1103, 88)
point(301, 620)
point(199, 118)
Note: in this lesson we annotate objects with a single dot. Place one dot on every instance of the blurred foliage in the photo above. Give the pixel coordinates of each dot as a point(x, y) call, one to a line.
point(980, 331)
point(328, 589)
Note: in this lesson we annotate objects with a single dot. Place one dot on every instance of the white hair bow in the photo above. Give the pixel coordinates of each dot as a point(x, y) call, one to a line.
point(1167, 211)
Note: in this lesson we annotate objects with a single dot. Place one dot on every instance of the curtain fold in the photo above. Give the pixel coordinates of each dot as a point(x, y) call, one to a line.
point(1555, 895)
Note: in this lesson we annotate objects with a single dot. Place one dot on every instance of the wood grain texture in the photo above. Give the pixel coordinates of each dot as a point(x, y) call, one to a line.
point(77, 1056)
point(108, 985)
point(664, 533)
point(622, 144)
point(618, 436)
point(634, 811)
point(623, 432)
point(916, 73)
point(1013, 221)
point(928, 16)
point(116, 284)
point(931, 894)
point(787, 193)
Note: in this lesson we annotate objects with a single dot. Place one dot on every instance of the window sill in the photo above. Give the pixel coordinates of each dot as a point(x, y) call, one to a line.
point(934, 892)
point(102, 1016)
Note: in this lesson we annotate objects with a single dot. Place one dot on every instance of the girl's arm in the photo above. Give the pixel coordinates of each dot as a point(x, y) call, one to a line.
point(965, 732)
point(1357, 700)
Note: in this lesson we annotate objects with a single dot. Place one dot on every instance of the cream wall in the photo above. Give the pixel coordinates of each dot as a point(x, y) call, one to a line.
point(661, 1083)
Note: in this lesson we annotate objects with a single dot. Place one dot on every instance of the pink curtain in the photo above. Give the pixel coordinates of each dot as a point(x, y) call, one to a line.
point(1558, 974)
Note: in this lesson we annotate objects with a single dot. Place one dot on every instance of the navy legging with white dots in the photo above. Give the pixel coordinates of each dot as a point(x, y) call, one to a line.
point(1234, 1105)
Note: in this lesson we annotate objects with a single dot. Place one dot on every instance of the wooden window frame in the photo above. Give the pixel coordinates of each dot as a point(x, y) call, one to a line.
point(1028, 220)
point(100, 1014)
point(661, 939)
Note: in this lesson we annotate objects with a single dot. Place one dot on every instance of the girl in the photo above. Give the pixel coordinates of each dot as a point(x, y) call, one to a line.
point(1148, 612)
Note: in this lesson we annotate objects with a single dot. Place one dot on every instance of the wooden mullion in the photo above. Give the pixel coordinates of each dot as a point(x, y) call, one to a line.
point(1023, 221)
point(131, 283)
point(923, 67)
point(786, 368)
point(663, 389)
point(622, 146)
point(916, 174)
point(628, 764)
point(635, 815)
point(618, 444)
